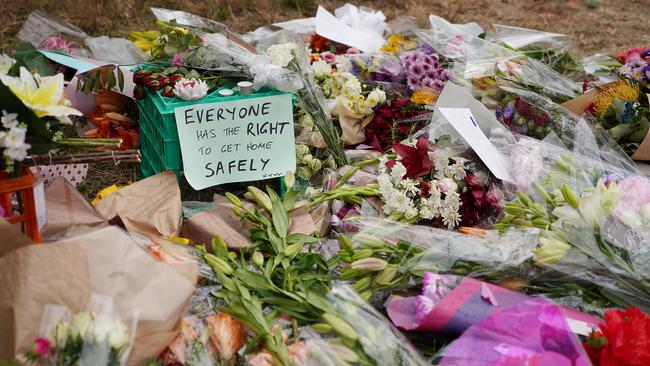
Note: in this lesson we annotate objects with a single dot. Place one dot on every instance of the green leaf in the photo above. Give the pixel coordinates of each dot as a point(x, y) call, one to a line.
point(279, 215)
point(120, 78)
point(252, 280)
point(318, 301)
point(276, 242)
point(289, 200)
point(29, 57)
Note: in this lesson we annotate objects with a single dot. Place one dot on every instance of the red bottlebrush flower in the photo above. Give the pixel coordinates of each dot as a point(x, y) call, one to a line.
point(623, 339)
point(415, 159)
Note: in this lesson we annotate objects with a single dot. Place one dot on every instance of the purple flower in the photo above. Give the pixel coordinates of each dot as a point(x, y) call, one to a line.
point(417, 70)
point(426, 48)
point(646, 72)
point(177, 60)
point(507, 114)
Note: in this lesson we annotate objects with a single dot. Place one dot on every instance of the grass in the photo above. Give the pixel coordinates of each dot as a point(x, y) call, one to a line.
point(595, 26)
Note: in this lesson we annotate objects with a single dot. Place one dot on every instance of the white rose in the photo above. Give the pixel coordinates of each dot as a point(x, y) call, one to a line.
point(103, 326)
point(118, 337)
point(81, 326)
point(321, 69)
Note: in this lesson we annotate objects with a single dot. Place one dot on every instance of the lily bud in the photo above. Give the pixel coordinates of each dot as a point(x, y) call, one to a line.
point(322, 328)
point(362, 253)
point(258, 259)
point(515, 210)
point(218, 264)
point(345, 243)
point(217, 242)
point(369, 264)
point(523, 197)
point(386, 275)
point(292, 249)
point(542, 192)
point(369, 241)
point(341, 327)
point(570, 196)
point(289, 179)
point(362, 284)
point(233, 199)
point(260, 197)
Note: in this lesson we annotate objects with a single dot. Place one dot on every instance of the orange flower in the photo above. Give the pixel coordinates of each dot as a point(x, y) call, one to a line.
point(226, 333)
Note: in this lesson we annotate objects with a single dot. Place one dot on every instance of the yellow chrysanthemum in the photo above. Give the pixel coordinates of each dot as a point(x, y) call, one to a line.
point(622, 90)
point(397, 43)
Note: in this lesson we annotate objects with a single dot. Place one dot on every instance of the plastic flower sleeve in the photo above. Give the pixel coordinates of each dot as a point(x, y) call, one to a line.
point(552, 49)
point(450, 304)
point(44, 31)
point(188, 19)
point(533, 332)
point(101, 335)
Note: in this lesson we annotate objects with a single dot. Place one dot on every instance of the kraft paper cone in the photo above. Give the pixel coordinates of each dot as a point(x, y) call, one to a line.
point(12, 238)
point(65, 208)
point(151, 206)
point(643, 152)
point(580, 104)
point(106, 261)
point(221, 221)
point(352, 131)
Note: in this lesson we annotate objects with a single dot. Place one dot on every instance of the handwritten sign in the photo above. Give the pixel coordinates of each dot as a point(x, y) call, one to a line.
point(236, 140)
point(462, 120)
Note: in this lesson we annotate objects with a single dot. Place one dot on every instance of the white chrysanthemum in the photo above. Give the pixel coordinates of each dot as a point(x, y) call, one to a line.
point(397, 172)
point(440, 158)
point(451, 201)
point(321, 69)
point(450, 217)
point(342, 64)
point(409, 186)
point(384, 181)
point(410, 212)
point(457, 171)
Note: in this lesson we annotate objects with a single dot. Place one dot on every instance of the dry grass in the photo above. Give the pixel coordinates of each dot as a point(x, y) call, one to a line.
point(594, 25)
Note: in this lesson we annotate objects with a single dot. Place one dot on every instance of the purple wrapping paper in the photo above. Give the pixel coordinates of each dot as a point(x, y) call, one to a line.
point(533, 333)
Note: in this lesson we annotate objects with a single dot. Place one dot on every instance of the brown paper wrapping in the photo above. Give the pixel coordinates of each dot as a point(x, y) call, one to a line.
point(221, 221)
point(12, 238)
point(150, 206)
point(311, 137)
point(352, 131)
point(580, 104)
point(66, 207)
point(105, 261)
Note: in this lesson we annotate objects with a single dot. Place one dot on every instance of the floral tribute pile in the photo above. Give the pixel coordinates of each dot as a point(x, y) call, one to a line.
point(460, 197)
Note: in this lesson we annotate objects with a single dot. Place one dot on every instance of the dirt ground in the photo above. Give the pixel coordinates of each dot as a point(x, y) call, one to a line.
point(596, 26)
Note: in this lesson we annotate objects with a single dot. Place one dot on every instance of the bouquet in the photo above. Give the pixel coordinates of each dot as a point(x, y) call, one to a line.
point(34, 108)
point(87, 337)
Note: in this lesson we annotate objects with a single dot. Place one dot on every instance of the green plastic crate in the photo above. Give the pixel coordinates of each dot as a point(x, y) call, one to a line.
point(159, 143)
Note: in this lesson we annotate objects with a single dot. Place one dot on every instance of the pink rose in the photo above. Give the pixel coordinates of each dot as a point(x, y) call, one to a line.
point(328, 57)
point(353, 51)
point(495, 198)
point(42, 347)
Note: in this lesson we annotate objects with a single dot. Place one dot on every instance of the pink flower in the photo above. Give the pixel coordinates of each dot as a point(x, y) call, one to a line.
point(57, 44)
point(423, 306)
point(42, 347)
point(3, 211)
point(353, 51)
point(178, 59)
point(328, 57)
point(635, 192)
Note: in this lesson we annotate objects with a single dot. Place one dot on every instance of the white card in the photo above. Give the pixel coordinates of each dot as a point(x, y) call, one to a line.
point(462, 120)
point(39, 203)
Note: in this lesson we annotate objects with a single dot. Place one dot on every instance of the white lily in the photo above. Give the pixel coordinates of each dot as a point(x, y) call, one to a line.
point(592, 208)
point(43, 95)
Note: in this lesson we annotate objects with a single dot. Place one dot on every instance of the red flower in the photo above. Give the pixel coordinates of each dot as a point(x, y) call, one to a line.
point(385, 128)
point(42, 347)
point(415, 159)
point(623, 339)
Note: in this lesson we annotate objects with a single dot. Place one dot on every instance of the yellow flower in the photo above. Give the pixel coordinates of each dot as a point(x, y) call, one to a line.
point(43, 95)
point(622, 90)
point(146, 41)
